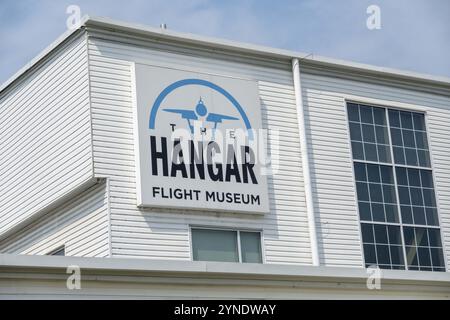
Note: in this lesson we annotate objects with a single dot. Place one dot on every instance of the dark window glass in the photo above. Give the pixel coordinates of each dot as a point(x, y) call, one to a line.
point(355, 131)
point(384, 153)
point(362, 191)
point(419, 121)
point(386, 175)
point(411, 157)
point(406, 120)
point(394, 235)
point(360, 171)
point(399, 155)
point(419, 215)
point(364, 211)
point(414, 177)
point(408, 233)
point(379, 116)
point(396, 136)
point(380, 233)
point(357, 149)
point(367, 233)
point(408, 138)
point(383, 254)
point(421, 139)
point(416, 196)
point(370, 152)
point(353, 112)
point(369, 254)
point(406, 214)
point(366, 114)
point(368, 131)
point(426, 178)
point(375, 192)
point(394, 118)
point(382, 135)
point(373, 173)
point(435, 237)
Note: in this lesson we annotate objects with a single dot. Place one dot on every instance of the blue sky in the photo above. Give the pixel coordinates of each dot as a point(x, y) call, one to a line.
point(414, 34)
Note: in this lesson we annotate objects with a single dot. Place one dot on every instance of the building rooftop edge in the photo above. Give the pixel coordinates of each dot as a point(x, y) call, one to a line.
point(87, 21)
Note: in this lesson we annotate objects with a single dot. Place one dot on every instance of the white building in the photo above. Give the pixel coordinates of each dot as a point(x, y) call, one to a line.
point(363, 173)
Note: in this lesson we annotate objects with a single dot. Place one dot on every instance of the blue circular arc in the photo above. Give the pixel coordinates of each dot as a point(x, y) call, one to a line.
point(200, 82)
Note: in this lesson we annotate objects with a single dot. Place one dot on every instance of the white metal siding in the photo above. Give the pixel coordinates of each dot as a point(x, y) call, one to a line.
point(333, 185)
point(81, 226)
point(45, 135)
point(164, 234)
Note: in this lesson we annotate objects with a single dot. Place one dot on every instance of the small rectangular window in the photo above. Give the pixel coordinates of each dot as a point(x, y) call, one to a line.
point(226, 245)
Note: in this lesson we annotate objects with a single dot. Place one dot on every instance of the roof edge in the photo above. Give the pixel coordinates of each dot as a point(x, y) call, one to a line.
point(235, 46)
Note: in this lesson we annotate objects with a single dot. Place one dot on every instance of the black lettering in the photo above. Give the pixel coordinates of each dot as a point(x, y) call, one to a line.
point(155, 155)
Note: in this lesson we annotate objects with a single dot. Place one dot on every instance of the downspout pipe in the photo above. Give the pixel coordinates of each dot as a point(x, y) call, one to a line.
point(305, 162)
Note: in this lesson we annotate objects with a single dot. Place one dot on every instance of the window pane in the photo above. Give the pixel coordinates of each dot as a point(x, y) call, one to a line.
point(366, 114)
point(406, 214)
point(214, 245)
point(399, 155)
point(408, 138)
point(419, 121)
point(394, 234)
point(394, 118)
point(380, 233)
point(355, 131)
point(375, 192)
point(414, 177)
point(435, 237)
point(384, 153)
point(396, 136)
point(424, 158)
point(369, 254)
point(386, 175)
point(251, 247)
point(373, 173)
point(362, 191)
point(360, 171)
point(364, 211)
point(353, 112)
point(379, 116)
point(426, 178)
point(383, 255)
point(419, 215)
point(370, 152)
point(406, 120)
point(368, 132)
point(367, 233)
point(411, 157)
point(421, 139)
point(382, 135)
point(358, 152)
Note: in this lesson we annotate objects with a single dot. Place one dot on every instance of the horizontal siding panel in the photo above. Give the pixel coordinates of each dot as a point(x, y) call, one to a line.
point(81, 225)
point(49, 153)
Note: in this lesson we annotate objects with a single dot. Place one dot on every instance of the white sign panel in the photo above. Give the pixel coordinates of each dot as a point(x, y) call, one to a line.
point(199, 142)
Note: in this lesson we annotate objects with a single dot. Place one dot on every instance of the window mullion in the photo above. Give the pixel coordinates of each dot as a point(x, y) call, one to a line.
point(394, 172)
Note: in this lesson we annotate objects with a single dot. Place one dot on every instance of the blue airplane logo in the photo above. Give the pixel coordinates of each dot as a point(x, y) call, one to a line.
point(201, 111)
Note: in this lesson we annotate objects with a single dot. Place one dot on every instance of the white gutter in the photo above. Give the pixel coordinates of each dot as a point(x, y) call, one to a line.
point(305, 163)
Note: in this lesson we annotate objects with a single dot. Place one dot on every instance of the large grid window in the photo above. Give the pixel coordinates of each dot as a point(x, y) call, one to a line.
point(395, 189)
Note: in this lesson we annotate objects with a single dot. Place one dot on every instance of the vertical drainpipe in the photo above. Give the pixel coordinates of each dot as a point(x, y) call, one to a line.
point(305, 162)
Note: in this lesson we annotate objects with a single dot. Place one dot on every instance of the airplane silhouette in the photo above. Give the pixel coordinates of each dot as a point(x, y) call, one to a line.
point(201, 111)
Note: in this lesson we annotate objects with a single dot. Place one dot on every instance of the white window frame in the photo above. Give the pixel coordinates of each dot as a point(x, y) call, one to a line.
point(391, 105)
point(238, 238)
